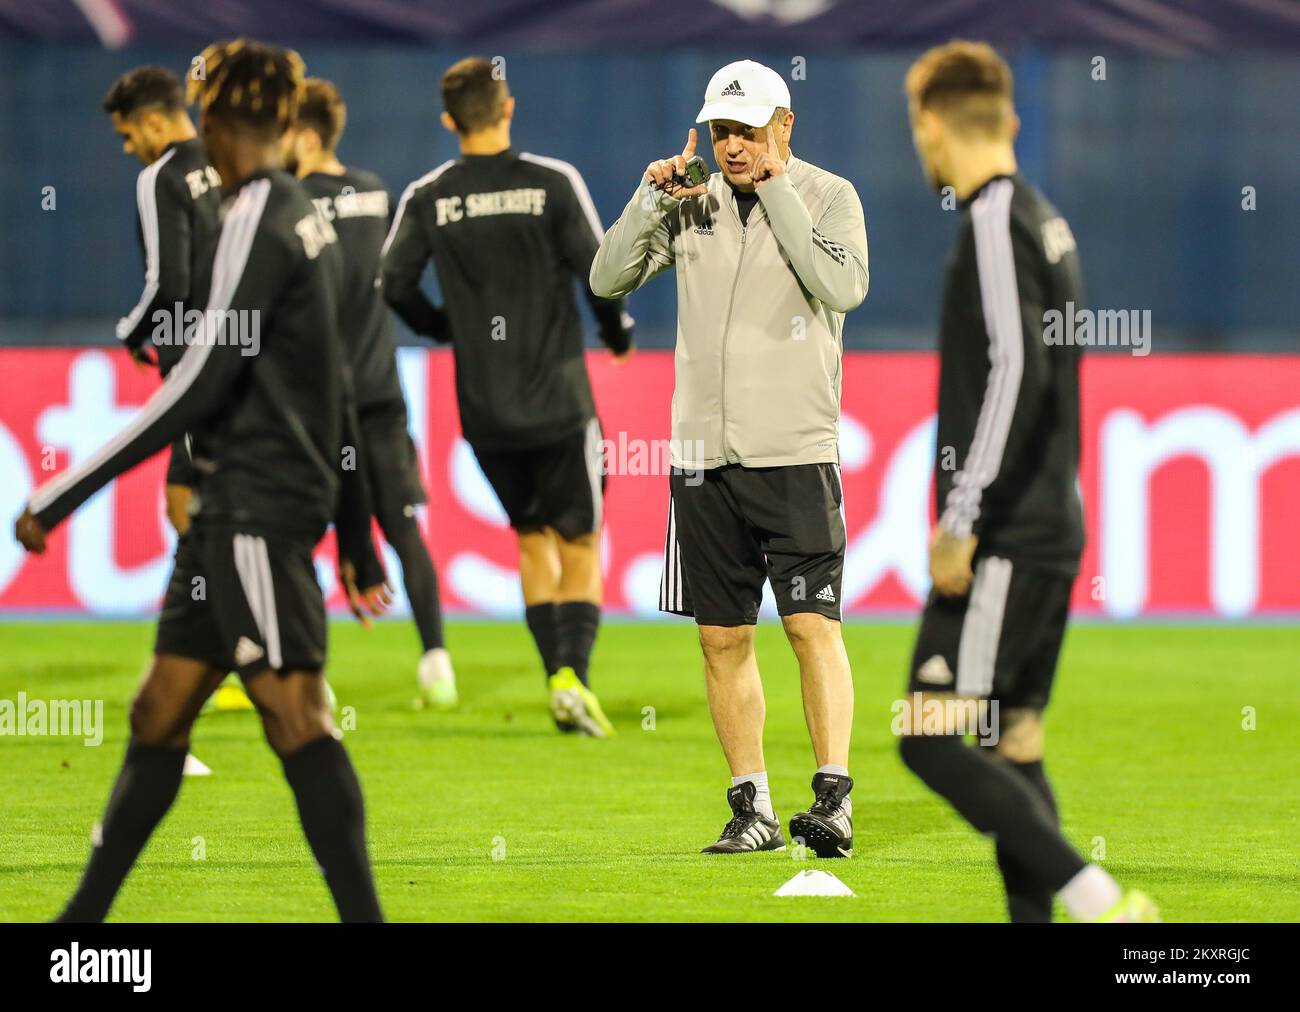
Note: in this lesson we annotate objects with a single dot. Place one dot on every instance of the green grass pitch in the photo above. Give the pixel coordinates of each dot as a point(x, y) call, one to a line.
point(489, 814)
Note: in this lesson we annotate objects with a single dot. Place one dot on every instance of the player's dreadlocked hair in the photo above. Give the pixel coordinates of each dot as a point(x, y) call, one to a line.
point(249, 84)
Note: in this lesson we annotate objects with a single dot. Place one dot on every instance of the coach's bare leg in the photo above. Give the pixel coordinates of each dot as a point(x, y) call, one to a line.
point(296, 717)
point(735, 694)
point(539, 566)
point(827, 684)
point(579, 569)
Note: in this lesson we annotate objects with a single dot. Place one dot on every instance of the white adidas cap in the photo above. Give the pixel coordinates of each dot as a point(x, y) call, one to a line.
point(744, 91)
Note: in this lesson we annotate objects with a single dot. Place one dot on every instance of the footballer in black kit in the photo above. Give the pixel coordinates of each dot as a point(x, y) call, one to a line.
point(1005, 551)
point(177, 204)
point(508, 233)
point(356, 204)
point(1009, 411)
point(264, 394)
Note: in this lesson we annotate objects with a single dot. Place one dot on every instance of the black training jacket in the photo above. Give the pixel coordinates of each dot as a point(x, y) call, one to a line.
point(1007, 455)
point(262, 386)
point(178, 201)
point(507, 235)
point(356, 204)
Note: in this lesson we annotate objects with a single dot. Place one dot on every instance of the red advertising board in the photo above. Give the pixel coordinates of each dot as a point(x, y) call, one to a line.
point(1190, 479)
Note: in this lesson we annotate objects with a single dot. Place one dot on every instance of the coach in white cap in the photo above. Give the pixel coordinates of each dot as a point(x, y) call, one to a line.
point(770, 253)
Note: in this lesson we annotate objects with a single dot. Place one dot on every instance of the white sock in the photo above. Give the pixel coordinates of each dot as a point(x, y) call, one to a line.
point(762, 796)
point(1090, 893)
point(839, 771)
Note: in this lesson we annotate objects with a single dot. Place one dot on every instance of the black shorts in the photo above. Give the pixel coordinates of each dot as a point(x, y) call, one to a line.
point(180, 466)
point(243, 602)
point(730, 528)
point(560, 485)
point(392, 465)
point(1001, 641)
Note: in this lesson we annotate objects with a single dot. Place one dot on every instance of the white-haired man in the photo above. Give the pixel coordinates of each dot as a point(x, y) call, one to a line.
point(770, 253)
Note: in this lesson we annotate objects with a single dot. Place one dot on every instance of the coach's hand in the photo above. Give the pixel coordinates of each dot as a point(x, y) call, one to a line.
point(374, 600)
point(769, 162)
point(30, 533)
point(667, 173)
point(950, 562)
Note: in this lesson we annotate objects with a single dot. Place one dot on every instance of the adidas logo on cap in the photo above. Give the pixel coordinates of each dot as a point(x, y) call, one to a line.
point(744, 91)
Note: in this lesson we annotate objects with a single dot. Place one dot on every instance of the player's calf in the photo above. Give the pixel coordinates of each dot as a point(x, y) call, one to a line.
point(162, 713)
point(300, 728)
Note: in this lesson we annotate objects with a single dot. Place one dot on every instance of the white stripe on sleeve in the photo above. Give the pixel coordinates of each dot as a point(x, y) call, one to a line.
point(428, 177)
point(228, 268)
point(579, 188)
point(1000, 301)
point(146, 201)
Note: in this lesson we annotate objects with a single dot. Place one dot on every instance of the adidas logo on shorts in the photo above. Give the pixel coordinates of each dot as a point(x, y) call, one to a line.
point(826, 594)
point(935, 671)
point(246, 651)
point(734, 88)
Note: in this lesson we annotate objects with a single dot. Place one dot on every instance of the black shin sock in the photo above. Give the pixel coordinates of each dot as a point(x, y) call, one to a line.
point(576, 623)
point(146, 787)
point(1028, 901)
point(994, 798)
point(541, 623)
point(418, 576)
point(333, 819)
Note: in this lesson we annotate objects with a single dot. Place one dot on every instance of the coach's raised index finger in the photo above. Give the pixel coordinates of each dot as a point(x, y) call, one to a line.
point(691, 137)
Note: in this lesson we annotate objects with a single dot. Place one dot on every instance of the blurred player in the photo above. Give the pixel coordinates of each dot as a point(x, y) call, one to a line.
point(1005, 552)
point(770, 254)
point(177, 201)
point(261, 390)
point(507, 233)
point(356, 203)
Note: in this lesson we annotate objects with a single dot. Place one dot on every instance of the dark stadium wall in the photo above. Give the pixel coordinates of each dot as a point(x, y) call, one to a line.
point(1149, 166)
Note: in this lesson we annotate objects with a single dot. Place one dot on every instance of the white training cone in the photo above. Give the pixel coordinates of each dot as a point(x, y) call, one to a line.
point(814, 883)
point(195, 767)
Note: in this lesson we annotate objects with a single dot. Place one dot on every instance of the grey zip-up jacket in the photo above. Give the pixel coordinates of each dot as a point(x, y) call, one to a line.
point(760, 311)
